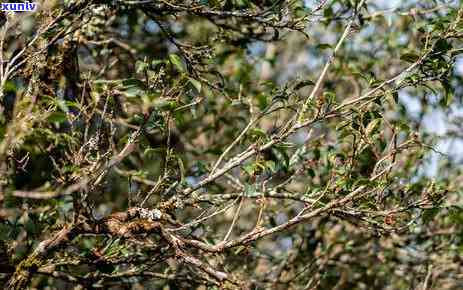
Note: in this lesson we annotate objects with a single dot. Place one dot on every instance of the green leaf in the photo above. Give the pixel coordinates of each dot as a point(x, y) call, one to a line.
point(132, 82)
point(155, 62)
point(442, 45)
point(57, 117)
point(304, 83)
point(429, 214)
point(392, 98)
point(372, 126)
point(249, 168)
point(330, 97)
point(271, 165)
point(257, 133)
point(165, 104)
point(140, 66)
point(262, 101)
point(324, 46)
point(133, 87)
point(197, 84)
point(237, 251)
point(456, 215)
point(311, 172)
point(447, 98)
point(250, 189)
point(155, 121)
point(177, 62)
point(410, 57)
point(182, 169)
point(282, 157)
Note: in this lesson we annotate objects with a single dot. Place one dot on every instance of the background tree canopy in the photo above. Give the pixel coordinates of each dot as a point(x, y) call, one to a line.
point(232, 144)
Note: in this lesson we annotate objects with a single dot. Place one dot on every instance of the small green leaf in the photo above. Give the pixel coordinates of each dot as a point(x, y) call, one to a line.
point(197, 84)
point(182, 169)
point(372, 126)
point(257, 133)
point(165, 104)
point(140, 66)
point(271, 165)
point(442, 45)
point(238, 250)
point(250, 189)
point(410, 57)
point(323, 46)
point(330, 97)
point(132, 82)
point(57, 117)
point(304, 83)
point(447, 98)
point(311, 172)
point(249, 168)
point(392, 98)
point(155, 62)
point(429, 214)
point(262, 101)
point(177, 62)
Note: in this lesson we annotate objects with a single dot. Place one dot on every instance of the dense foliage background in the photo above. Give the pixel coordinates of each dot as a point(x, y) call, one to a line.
point(232, 144)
